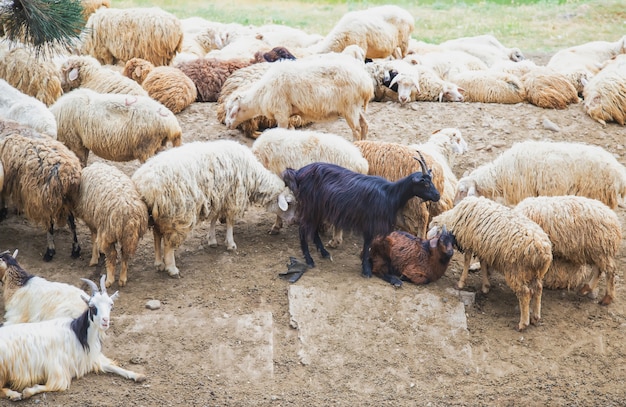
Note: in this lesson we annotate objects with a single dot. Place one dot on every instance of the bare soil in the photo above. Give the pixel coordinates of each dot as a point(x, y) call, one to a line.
point(230, 332)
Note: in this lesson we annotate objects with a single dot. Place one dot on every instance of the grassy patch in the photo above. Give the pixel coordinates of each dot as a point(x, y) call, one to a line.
point(532, 25)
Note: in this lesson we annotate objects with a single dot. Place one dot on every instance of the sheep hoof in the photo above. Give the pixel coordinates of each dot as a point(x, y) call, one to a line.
point(140, 378)
point(333, 243)
point(173, 272)
point(3, 214)
point(393, 280)
point(49, 255)
point(75, 251)
point(585, 290)
point(231, 248)
point(606, 300)
point(159, 265)
point(213, 245)
point(274, 231)
point(14, 395)
point(486, 289)
point(521, 327)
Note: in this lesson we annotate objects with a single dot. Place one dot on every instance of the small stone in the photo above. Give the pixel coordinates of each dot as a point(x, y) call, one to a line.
point(467, 297)
point(549, 125)
point(153, 304)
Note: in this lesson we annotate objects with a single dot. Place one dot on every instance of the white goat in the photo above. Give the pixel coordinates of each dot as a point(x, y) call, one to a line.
point(56, 351)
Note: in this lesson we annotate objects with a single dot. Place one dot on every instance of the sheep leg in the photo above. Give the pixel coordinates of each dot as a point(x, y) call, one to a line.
point(304, 245)
point(364, 125)
point(366, 265)
point(158, 257)
point(75, 245)
point(337, 238)
point(320, 246)
point(353, 121)
point(484, 273)
point(109, 367)
point(523, 295)
point(95, 251)
point(211, 239)
point(591, 285)
point(11, 394)
point(610, 284)
point(537, 292)
point(466, 264)
point(50, 251)
point(110, 255)
point(124, 269)
point(230, 241)
point(277, 226)
point(168, 256)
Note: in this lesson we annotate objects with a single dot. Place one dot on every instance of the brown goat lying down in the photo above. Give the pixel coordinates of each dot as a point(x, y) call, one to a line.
point(402, 256)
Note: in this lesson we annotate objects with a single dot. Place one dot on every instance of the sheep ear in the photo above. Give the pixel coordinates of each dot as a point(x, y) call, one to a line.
point(433, 242)
point(137, 72)
point(282, 203)
point(584, 81)
point(73, 75)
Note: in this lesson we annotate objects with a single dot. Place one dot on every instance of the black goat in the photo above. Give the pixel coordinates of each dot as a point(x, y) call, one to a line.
point(367, 204)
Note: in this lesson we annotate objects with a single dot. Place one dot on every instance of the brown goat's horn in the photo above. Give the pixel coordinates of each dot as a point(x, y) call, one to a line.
point(92, 285)
point(422, 162)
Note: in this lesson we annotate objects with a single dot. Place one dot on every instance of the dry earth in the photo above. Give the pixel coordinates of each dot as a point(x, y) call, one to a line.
point(230, 332)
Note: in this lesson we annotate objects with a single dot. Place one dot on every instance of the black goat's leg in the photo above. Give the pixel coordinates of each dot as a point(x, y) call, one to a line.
point(75, 245)
point(50, 250)
point(320, 246)
point(366, 264)
point(304, 245)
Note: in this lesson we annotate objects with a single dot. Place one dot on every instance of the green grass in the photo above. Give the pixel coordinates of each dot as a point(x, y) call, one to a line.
point(532, 25)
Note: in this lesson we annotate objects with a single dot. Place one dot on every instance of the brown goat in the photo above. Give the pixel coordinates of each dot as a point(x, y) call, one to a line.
point(402, 256)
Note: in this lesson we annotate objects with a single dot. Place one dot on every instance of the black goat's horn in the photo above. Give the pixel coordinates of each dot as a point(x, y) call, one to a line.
point(92, 285)
point(422, 162)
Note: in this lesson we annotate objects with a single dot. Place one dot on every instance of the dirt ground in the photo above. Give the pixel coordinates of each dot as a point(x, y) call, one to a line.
point(230, 332)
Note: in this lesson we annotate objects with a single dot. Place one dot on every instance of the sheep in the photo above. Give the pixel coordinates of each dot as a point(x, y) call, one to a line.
point(86, 72)
point(442, 146)
point(244, 48)
point(114, 126)
point(402, 256)
point(381, 77)
point(394, 161)
point(420, 83)
point(42, 177)
point(503, 240)
point(605, 94)
point(484, 47)
point(314, 88)
point(277, 35)
point(347, 200)
point(108, 202)
point(278, 149)
point(29, 74)
point(241, 80)
point(534, 168)
point(90, 6)
point(490, 87)
point(549, 89)
point(448, 64)
point(205, 180)
point(116, 35)
point(273, 55)
point(54, 352)
point(30, 298)
point(15, 105)
point(209, 75)
point(165, 84)
point(583, 231)
point(381, 31)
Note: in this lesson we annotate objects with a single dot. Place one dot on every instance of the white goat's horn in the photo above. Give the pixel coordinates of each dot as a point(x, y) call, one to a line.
point(92, 285)
point(103, 287)
point(14, 253)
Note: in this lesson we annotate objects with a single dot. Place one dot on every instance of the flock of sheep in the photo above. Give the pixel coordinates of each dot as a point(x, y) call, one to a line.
point(117, 94)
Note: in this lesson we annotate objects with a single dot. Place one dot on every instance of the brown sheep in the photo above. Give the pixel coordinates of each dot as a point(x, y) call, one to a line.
point(209, 75)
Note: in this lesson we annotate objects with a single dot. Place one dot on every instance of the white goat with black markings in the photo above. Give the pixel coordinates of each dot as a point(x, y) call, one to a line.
point(45, 356)
point(29, 298)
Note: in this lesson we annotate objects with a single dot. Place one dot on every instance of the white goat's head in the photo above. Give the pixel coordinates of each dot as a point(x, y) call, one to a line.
point(100, 303)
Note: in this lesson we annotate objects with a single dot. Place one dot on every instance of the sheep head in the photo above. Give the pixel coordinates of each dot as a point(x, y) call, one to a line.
point(406, 85)
point(466, 187)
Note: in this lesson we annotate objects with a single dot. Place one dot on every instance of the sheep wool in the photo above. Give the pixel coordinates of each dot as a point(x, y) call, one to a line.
point(209, 75)
point(605, 93)
point(27, 110)
point(86, 72)
point(502, 240)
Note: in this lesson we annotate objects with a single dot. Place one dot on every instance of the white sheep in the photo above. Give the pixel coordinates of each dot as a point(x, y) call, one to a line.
point(277, 35)
point(534, 168)
point(29, 74)
point(115, 127)
point(15, 105)
point(314, 88)
point(54, 352)
point(584, 232)
point(549, 89)
point(485, 47)
point(149, 33)
point(421, 83)
point(448, 64)
point(502, 240)
point(605, 94)
point(381, 31)
point(108, 202)
point(278, 149)
point(30, 298)
point(205, 180)
point(42, 178)
point(86, 72)
point(488, 86)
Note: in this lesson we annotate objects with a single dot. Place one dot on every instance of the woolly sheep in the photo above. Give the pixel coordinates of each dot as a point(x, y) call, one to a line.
point(204, 180)
point(381, 31)
point(209, 75)
point(380, 74)
point(421, 83)
point(165, 84)
point(583, 232)
point(15, 105)
point(42, 178)
point(116, 35)
point(502, 240)
point(448, 64)
point(485, 47)
point(30, 298)
point(114, 126)
point(241, 80)
point(29, 74)
point(108, 202)
point(86, 72)
point(549, 89)
point(534, 168)
point(90, 6)
point(490, 87)
point(279, 149)
point(56, 351)
point(306, 87)
point(277, 35)
point(605, 94)
point(394, 161)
